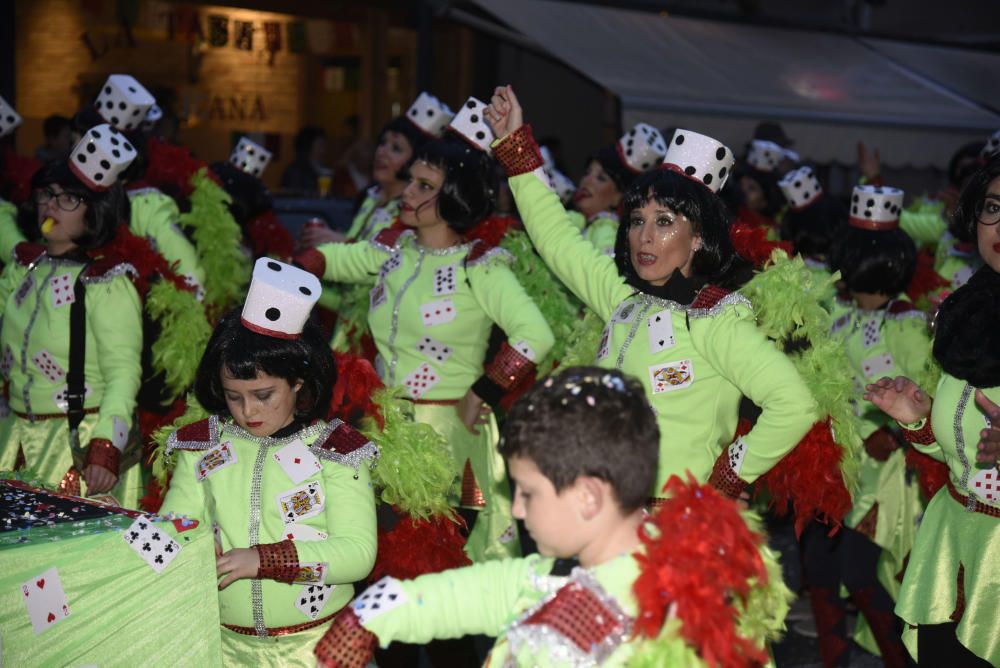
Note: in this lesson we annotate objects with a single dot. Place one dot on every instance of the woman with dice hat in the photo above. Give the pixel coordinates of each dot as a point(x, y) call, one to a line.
point(950, 589)
point(288, 493)
point(666, 298)
point(72, 330)
point(434, 301)
point(882, 332)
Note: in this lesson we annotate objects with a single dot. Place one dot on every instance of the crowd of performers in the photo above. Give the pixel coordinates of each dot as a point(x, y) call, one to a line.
point(610, 378)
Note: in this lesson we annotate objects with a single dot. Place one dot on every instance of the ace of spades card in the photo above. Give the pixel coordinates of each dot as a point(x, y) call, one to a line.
point(660, 327)
point(301, 503)
point(152, 543)
point(61, 288)
point(382, 596)
point(45, 599)
point(313, 598)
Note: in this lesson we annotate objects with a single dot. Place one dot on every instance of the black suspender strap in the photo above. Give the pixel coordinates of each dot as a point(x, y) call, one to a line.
point(75, 379)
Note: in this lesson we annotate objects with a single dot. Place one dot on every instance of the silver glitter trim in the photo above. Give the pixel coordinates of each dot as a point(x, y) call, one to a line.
point(556, 646)
point(386, 247)
point(123, 269)
point(639, 318)
point(394, 327)
point(231, 427)
point(495, 253)
point(369, 451)
point(138, 192)
point(253, 535)
point(963, 402)
point(732, 299)
point(213, 438)
point(26, 390)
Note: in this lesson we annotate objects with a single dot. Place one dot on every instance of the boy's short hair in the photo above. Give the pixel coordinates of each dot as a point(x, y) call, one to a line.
point(588, 421)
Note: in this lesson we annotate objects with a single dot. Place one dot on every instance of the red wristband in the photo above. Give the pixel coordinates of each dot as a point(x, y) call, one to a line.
point(518, 152)
point(346, 644)
point(724, 478)
point(101, 452)
point(312, 261)
point(278, 561)
point(922, 436)
point(508, 367)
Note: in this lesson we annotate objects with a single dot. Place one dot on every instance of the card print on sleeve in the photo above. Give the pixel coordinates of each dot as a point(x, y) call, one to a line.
point(151, 542)
point(298, 531)
point(605, 347)
point(380, 598)
point(421, 380)
point(297, 461)
point(221, 456)
point(671, 376)
point(437, 312)
point(61, 288)
point(45, 600)
point(301, 503)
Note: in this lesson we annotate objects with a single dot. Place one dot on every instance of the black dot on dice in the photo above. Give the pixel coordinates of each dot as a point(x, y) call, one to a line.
point(122, 105)
point(413, 112)
point(109, 104)
point(474, 118)
point(131, 89)
point(690, 170)
point(114, 141)
point(91, 148)
point(720, 153)
point(128, 147)
point(679, 139)
point(480, 135)
point(471, 104)
point(105, 164)
point(272, 314)
point(274, 266)
point(115, 152)
point(250, 150)
point(723, 172)
point(430, 112)
point(114, 120)
point(306, 291)
point(645, 166)
point(805, 193)
point(870, 203)
point(798, 184)
point(629, 153)
point(107, 90)
point(98, 177)
point(895, 209)
point(81, 158)
point(888, 205)
point(10, 118)
point(854, 199)
point(868, 214)
point(707, 180)
point(135, 113)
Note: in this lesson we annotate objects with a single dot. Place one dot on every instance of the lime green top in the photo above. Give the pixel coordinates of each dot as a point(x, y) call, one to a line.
point(155, 216)
point(431, 310)
point(34, 341)
point(695, 363)
point(10, 233)
point(241, 499)
point(924, 221)
point(372, 218)
point(601, 229)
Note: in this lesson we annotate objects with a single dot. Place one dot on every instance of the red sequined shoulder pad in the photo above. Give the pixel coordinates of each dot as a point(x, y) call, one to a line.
point(390, 235)
point(898, 306)
point(709, 296)
point(345, 439)
point(199, 432)
point(25, 252)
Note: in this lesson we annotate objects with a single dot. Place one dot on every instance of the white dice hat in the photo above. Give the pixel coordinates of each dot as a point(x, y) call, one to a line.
point(641, 148)
point(875, 208)
point(429, 114)
point(470, 123)
point(250, 157)
point(100, 157)
point(123, 102)
point(9, 118)
point(153, 115)
point(765, 156)
point(800, 187)
point(279, 300)
point(699, 157)
point(990, 148)
point(558, 182)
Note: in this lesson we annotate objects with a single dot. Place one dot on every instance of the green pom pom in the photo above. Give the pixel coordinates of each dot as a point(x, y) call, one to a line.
point(184, 334)
point(415, 471)
point(584, 342)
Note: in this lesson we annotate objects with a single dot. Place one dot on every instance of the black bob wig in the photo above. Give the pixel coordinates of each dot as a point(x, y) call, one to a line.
point(875, 261)
point(467, 194)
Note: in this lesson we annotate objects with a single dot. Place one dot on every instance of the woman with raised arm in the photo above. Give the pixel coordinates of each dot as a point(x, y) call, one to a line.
point(951, 588)
point(666, 298)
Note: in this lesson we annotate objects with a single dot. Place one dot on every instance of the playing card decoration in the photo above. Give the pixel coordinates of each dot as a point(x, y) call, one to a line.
point(221, 456)
point(870, 334)
point(605, 346)
point(879, 365)
point(151, 542)
point(986, 485)
point(311, 572)
point(444, 280)
point(525, 349)
point(699, 157)
point(45, 600)
point(381, 597)
point(298, 531)
point(671, 376)
point(376, 296)
point(737, 451)
point(301, 503)
point(61, 289)
point(660, 327)
point(48, 366)
point(280, 299)
point(421, 380)
point(313, 598)
point(297, 461)
point(250, 156)
point(433, 349)
point(437, 312)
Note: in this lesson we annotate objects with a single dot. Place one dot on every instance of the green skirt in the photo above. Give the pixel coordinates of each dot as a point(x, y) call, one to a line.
point(951, 538)
point(295, 649)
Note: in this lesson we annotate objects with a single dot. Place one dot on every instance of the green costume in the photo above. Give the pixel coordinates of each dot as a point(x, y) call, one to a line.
point(696, 354)
point(372, 218)
point(430, 314)
point(10, 233)
point(313, 523)
point(952, 573)
point(600, 229)
point(36, 292)
point(155, 216)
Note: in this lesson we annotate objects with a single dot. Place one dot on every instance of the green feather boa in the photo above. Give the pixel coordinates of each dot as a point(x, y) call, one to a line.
point(163, 464)
point(184, 333)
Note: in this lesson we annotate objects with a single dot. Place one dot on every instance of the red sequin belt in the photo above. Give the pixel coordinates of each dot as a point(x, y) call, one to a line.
point(281, 630)
point(37, 417)
point(977, 506)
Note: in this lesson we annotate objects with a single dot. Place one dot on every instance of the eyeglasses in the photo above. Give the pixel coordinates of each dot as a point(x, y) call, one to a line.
point(988, 213)
point(65, 201)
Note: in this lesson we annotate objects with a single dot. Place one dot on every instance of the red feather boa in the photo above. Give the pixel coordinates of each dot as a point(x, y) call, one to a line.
point(925, 280)
point(269, 237)
point(171, 167)
point(932, 475)
point(352, 393)
point(492, 230)
point(809, 479)
point(16, 177)
point(138, 252)
point(415, 547)
point(699, 556)
point(752, 244)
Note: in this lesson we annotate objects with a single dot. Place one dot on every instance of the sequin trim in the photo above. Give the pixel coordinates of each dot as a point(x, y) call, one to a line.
point(123, 269)
point(394, 327)
point(278, 561)
point(138, 192)
point(509, 367)
point(213, 438)
point(545, 627)
point(731, 299)
point(923, 435)
point(386, 248)
point(725, 479)
point(472, 494)
point(494, 254)
point(368, 452)
point(639, 318)
point(26, 390)
point(518, 152)
point(347, 644)
point(253, 535)
point(231, 427)
point(102, 452)
point(963, 402)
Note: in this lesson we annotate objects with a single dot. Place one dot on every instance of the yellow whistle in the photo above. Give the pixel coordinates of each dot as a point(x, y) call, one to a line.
point(47, 225)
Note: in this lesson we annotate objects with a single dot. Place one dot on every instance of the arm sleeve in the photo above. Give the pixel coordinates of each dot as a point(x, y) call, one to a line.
point(349, 550)
point(477, 599)
point(10, 233)
point(923, 223)
point(356, 262)
point(186, 496)
point(114, 315)
point(602, 234)
point(734, 345)
point(156, 217)
point(591, 275)
point(12, 275)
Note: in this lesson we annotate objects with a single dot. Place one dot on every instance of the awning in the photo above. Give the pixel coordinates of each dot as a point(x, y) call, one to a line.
point(828, 90)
